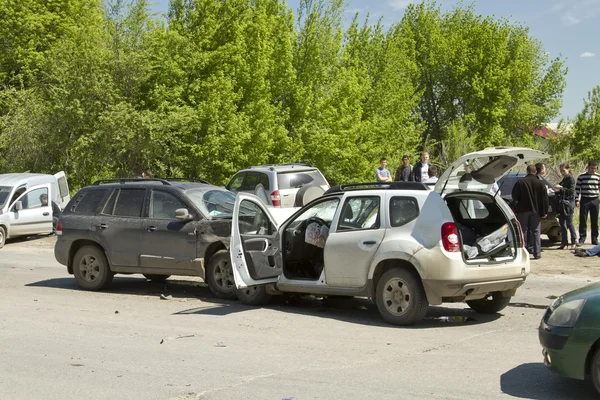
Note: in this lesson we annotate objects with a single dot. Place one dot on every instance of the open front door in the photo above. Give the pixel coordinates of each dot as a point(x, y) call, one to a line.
point(255, 243)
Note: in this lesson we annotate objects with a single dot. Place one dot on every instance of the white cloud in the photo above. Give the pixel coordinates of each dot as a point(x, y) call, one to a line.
point(574, 12)
point(587, 54)
point(399, 4)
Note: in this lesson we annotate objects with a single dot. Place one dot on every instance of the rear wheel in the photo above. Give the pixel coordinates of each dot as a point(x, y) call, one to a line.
point(91, 269)
point(400, 297)
point(157, 278)
point(490, 304)
point(219, 275)
point(253, 295)
point(595, 370)
point(2, 236)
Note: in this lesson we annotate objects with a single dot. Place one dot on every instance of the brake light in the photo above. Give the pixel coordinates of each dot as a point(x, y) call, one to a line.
point(276, 198)
point(58, 228)
point(521, 234)
point(450, 237)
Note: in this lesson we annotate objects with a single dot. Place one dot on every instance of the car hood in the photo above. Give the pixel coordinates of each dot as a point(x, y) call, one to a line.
point(585, 292)
point(480, 170)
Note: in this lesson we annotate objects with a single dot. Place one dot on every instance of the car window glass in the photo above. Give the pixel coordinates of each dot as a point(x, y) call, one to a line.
point(359, 213)
point(324, 210)
point(4, 193)
point(63, 188)
point(163, 205)
point(35, 198)
point(110, 204)
point(17, 194)
point(263, 179)
point(236, 182)
point(252, 220)
point(88, 202)
point(403, 210)
point(252, 179)
point(297, 179)
point(130, 202)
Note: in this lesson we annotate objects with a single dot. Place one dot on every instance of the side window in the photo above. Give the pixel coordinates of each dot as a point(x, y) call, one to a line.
point(252, 179)
point(163, 205)
point(88, 202)
point(129, 202)
point(236, 182)
point(253, 220)
point(63, 188)
point(359, 213)
point(403, 210)
point(109, 207)
point(263, 179)
point(35, 199)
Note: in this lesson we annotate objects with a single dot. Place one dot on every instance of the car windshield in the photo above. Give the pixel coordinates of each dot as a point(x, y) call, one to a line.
point(4, 193)
point(218, 203)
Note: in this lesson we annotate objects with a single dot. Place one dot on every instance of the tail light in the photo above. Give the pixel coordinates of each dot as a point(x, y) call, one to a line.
point(58, 228)
point(450, 237)
point(276, 198)
point(521, 234)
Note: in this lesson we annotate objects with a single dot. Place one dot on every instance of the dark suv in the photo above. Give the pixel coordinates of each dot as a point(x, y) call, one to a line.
point(155, 227)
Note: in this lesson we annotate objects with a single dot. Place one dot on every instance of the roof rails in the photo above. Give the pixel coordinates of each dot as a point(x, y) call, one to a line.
point(125, 180)
point(198, 180)
point(378, 185)
point(272, 166)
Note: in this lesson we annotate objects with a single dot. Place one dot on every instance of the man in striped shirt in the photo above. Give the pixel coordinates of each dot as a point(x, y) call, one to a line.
point(586, 197)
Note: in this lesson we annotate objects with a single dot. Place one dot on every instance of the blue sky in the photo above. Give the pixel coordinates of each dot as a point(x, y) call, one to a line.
point(567, 28)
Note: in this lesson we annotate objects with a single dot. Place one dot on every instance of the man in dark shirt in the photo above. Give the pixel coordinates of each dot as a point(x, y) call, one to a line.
point(404, 172)
point(531, 205)
point(421, 168)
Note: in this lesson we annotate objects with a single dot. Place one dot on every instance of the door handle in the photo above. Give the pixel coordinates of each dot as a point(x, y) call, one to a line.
point(102, 226)
point(46, 214)
point(369, 242)
point(151, 228)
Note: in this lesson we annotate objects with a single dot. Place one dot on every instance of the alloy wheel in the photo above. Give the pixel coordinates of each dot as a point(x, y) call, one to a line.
point(396, 296)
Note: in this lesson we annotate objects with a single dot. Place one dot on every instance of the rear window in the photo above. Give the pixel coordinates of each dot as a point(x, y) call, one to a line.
point(297, 179)
point(88, 202)
point(63, 187)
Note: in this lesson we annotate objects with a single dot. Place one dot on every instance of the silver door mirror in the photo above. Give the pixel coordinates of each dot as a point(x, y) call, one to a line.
point(18, 206)
point(183, 214)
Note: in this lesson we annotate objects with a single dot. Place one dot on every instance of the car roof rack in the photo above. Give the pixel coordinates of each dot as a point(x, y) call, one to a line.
point(378, 185)
point(198, 180)
point(273, 166)
point(125, 180)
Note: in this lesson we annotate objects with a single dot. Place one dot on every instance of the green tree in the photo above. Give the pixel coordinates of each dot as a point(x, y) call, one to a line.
point(586, 128)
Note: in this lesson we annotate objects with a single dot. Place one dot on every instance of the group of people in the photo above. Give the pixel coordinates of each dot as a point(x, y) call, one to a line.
point(423, 171)
point(530, 201)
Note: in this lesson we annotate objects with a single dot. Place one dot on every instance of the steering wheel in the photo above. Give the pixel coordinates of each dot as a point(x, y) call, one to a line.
point(318, 220)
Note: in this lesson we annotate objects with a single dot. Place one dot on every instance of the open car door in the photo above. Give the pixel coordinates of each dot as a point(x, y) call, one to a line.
point(255, 243)
point(63, 190)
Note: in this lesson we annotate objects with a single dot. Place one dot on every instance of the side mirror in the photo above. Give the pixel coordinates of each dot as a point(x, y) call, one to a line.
point(183, 214)
point(18, 206)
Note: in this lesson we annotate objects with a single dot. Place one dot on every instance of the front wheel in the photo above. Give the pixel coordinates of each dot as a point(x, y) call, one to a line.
point(254, 295)
point(490, 304)
point(91, 269)
point(400, 297)
point(219, 276)
point(595, 370)
point(2, 236)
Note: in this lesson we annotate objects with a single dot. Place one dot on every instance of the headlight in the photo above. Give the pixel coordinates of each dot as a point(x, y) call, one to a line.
point(565, 314)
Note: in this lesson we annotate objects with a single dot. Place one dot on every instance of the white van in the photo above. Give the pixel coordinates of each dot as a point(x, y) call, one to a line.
point(21, 209)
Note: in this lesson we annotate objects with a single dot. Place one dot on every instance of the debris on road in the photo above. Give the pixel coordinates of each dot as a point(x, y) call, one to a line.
point(220, 344)
point(163, 297)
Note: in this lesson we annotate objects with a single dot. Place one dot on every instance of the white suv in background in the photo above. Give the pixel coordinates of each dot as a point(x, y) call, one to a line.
point(402, 244)
point(287, 185)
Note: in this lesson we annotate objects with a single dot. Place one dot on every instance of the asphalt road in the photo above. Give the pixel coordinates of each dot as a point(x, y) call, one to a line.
point(58, 342)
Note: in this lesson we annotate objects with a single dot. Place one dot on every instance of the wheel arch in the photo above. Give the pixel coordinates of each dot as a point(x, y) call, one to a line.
point(212, 249)
point(590, 356)
point(76, 245)
point(385, 265)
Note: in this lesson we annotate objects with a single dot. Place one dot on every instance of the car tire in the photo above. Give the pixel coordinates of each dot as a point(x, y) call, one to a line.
point(400, 297)
point(595, 370)
point(554, 238)
point(2, 236)
point(306, 194)
point(219, 276)
point(157, 278)
point(253, 295)
point(488, 305)
point(91, 268)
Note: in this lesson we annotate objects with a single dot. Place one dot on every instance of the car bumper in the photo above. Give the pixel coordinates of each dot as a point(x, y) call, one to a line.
point(61, 251)
point(562, 354)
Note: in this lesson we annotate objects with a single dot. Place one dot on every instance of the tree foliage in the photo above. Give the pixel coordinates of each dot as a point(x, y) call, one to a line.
point(108, 89)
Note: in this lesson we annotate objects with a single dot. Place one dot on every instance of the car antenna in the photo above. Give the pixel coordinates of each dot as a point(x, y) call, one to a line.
point(444, 188)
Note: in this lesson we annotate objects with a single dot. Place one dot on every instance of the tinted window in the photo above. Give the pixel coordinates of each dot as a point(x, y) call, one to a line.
point(163, 205)
point(360, 213)
point(403, 210)
point(294, 180)
point(88, 202)
point(236, 182)
point(110, 204)
point(252, 179)
point(130, 202)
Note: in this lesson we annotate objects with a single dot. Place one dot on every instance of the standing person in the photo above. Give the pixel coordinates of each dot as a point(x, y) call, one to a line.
point(586, 197)
point(433, 178)
point(381, 173)
point(146, 174)
point(404, 172)
point(421, 168)
point(540, 172)
point(531, 204)
point(566, 189)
